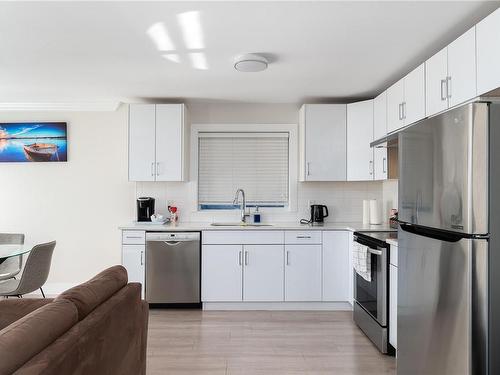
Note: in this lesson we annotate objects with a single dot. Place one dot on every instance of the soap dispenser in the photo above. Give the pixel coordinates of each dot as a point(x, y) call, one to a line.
point(256, 215)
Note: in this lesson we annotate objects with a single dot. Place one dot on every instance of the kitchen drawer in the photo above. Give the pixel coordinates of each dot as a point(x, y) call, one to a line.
point(133, 237)
point(303, 237)
point(393, 255)
point(242, 237)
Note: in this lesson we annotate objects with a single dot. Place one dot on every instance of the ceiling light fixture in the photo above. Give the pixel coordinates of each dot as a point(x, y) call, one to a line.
point(159, 35)
point(250, 62)
point(191, 29)
point(198, 60)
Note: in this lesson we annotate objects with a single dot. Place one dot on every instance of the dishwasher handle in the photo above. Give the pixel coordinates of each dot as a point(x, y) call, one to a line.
point(174, 243)
point(171, 238)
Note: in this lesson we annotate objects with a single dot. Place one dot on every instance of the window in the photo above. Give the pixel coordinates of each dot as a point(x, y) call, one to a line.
point(256, 162)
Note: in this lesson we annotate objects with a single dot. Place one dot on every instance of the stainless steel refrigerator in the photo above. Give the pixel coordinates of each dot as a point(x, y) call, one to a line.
point(449, 244)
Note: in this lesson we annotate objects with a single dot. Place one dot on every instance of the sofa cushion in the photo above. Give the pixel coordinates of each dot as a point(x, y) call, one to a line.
point(15, 308)
point(89, 295)
point(111, 340)
point(28, 336)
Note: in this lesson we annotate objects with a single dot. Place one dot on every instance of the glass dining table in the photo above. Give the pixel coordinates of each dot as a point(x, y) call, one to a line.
point(9, 251)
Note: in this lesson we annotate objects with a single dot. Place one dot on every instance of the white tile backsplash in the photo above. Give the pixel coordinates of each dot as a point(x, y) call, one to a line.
point(344, 200)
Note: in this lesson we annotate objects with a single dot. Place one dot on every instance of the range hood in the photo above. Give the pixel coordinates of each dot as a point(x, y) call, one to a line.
point(390, 140)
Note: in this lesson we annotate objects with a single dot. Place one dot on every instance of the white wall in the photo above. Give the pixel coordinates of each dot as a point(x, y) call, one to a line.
point(79, 203)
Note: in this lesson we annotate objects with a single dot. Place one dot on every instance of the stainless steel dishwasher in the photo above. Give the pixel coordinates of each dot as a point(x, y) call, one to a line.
point(173, 267)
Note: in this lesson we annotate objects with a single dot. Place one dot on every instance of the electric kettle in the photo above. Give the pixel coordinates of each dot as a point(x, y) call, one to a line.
point(318, 214)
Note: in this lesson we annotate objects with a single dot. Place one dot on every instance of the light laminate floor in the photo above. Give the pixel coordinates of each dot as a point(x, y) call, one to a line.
point(260, 342)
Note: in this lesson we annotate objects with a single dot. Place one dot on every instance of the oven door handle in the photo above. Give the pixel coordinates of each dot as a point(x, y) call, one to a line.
point(375, 252)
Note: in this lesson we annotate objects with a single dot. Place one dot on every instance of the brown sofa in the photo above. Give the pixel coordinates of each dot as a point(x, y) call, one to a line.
point(98, 327)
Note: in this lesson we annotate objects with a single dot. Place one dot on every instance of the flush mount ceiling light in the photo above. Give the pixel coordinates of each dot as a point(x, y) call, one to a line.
point(250, 62)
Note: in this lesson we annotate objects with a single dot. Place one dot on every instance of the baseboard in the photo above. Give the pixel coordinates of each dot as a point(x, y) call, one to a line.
point(297, 306)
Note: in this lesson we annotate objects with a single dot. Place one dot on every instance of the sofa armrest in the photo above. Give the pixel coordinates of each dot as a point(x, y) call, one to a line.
point(14, 309)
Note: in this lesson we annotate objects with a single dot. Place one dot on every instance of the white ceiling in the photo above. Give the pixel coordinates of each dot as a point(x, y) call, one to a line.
point(93, 51)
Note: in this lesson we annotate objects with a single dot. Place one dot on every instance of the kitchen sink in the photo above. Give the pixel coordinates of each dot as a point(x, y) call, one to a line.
point(240, 224)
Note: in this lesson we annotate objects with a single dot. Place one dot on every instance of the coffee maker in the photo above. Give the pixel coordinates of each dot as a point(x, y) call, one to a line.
point(145, 208)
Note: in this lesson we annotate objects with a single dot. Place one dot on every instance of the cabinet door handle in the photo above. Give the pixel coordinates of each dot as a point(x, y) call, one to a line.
point(448, 86)
point(384, 165)
point(403, 106)
point(303, 237)
point(239, 258)
point(152, 168)
point(157, 168)
point(287, 258)
point(443, 89)
point(370, 167)
point(308, 167)
point(142, 260)
point(246, 258)
point(400, 116)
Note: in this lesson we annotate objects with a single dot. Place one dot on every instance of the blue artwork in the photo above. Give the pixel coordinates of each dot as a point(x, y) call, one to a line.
point(33, 141)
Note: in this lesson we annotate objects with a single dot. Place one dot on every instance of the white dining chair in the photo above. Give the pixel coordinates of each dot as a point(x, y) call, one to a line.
point(35, 272)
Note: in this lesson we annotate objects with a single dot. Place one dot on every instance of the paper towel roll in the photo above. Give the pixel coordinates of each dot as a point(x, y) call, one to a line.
point(366, 211)
point(375, 214)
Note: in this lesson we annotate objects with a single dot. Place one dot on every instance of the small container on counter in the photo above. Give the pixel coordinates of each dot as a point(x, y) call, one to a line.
point(256, 215)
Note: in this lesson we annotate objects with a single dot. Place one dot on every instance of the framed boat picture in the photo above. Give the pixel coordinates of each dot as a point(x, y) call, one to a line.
point(33, 142)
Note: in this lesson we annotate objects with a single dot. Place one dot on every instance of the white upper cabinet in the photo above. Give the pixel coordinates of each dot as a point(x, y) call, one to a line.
point(451, 74)
point(380, 162)
point(170, 142)
point(462, 68)
point(380, 116)
point(414, 104)
point(359, 136)
point(322, 130)
point(379, 131)
point(488, 53)
point(436, 97)
point(141, 153)
point(395, 99)
point(406, 100)
point(157, 142)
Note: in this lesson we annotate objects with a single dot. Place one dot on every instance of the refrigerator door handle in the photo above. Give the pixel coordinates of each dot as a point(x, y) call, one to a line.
point(436, 234)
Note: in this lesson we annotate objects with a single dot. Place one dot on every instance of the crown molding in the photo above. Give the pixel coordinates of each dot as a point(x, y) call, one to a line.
point(108, 106)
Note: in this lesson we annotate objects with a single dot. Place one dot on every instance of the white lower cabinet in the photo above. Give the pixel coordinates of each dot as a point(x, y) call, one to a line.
point(335, 266)
point(222, 277)
point(393, 298)
point(302, 272)
point(293, 266)
point(134, 259)
point(263, 273)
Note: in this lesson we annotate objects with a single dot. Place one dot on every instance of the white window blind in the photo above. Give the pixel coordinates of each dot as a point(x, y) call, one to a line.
point(255, 162)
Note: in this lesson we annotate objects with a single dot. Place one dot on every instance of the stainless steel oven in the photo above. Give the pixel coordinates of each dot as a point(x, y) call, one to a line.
point(371, 302)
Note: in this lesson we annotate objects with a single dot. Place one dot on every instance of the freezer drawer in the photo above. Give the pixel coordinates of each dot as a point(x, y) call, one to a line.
point(442, 305)
point(173, 267)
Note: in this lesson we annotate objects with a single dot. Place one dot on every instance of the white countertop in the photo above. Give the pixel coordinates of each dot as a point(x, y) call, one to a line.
point(192, 226)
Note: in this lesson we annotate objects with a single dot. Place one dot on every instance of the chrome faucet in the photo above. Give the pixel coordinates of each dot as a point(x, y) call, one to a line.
point(244, 215)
